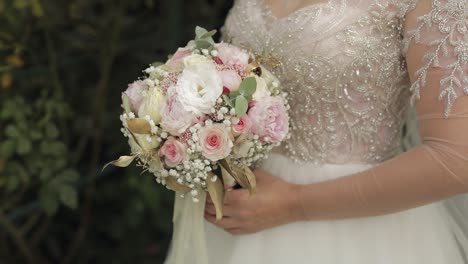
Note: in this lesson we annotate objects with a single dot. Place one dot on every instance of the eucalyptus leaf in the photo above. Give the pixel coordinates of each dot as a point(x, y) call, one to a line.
point(241, 105)
point(228, 100)
point(248, 86)
point(199, 31)
point(203, 44)
point(234, 94)
point(208, 34)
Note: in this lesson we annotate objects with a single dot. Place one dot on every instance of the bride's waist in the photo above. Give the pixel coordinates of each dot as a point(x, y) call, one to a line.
point(305, 172)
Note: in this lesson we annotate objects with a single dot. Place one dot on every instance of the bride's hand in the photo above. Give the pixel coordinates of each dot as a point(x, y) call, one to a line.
point(274, 203)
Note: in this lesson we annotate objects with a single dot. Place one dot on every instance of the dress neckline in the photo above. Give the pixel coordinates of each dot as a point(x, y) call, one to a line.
point(296, 12)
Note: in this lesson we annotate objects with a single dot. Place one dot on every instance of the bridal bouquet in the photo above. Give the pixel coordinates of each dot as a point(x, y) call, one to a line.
point(206, 114)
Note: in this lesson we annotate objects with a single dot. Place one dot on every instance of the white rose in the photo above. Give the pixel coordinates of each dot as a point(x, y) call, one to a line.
point(262, 89)
point(198, 88)
point(151, 105)
point(195, 59)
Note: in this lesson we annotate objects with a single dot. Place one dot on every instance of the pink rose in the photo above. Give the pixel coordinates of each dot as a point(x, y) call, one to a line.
point(230, 79)
point(215, 141)
point(269, 118)
point(232, 55)
point(135, 94)
point(242, 127)
point(173, 151)
point(174, 118)
point(175, 61)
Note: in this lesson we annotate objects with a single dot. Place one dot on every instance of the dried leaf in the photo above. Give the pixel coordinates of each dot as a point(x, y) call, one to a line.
point(239, 174)
point(139, 126)
point(126, 103)
point(172, 184)
point(123, 162)
point(251, 178)
point(216, 191)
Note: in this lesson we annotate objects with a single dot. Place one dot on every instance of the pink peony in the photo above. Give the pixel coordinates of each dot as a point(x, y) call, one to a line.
point(176, 60)
point(135, 94)
point(269, 119)
point(215, 141)
point(173, 151)
point(242, 127)
point(174, 118)
point(232, 55)
point(230, 79)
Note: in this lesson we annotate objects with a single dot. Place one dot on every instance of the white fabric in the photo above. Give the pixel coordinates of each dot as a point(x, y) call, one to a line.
point(420, 235)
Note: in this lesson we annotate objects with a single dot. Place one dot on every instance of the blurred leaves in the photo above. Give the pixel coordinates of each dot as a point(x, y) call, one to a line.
point(63, 66)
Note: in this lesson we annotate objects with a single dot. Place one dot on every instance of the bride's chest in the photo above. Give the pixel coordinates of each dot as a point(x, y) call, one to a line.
point(336, 30)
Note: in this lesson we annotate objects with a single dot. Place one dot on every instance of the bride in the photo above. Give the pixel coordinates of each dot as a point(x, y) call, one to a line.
point(341, 190)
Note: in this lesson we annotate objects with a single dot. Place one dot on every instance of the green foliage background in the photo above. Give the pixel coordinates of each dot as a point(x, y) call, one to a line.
point(63, 66)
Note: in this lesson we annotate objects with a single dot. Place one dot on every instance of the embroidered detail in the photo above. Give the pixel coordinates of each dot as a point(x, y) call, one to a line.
point(445, 30)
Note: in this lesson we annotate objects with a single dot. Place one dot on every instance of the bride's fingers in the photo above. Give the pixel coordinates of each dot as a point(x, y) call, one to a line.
point(225, 223)
point(236, 231)
point(210, 209)
point(227, 210)
point(235, 196)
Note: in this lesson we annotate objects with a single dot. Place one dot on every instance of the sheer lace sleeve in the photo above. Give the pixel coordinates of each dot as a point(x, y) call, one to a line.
point(436, 39)
point(437, 58)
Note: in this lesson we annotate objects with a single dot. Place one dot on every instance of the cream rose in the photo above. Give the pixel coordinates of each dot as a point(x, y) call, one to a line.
point(151, 104)
point(215, 141)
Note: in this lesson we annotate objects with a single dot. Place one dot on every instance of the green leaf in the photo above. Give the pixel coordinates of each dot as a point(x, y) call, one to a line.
point(7, 148)
point(37, 8)
point(248, 86)
point(35, 134)
point(234, 94)
point(69, 176)
point(68, 196)
point(199, 31)
point(228, 100)
point(12, 131)
point(241, 106)
point(49, 200)
point(24, 146)
point(52, 131)
point(208, 34)
point(203, 44)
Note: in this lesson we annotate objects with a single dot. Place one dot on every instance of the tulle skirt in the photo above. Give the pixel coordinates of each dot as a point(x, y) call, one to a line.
point(420, 235)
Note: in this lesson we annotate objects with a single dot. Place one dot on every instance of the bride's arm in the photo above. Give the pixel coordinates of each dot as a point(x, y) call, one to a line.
point(437, 60)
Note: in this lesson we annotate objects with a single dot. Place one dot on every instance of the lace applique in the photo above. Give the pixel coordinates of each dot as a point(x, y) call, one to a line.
point(445, 30)
point(343, 67)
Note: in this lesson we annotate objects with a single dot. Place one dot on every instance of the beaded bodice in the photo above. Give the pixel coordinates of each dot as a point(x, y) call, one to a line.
point(342, 63)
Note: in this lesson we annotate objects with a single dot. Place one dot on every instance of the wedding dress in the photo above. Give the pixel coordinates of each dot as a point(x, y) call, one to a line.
point(346, 68)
